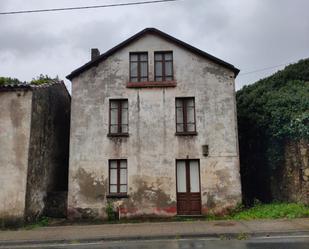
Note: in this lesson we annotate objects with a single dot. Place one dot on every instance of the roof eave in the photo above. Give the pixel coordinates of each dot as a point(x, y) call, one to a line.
point(170, 38)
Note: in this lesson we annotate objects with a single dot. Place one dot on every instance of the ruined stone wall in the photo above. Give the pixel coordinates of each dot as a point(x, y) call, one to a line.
point(152, 147)
point(15, 118)
point(291, 181)
point(48, 152)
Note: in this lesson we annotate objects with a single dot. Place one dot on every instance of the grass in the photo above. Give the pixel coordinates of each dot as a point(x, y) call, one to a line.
point(42, 222)
point(272, 211)
point(258, 211)
point(265, 211)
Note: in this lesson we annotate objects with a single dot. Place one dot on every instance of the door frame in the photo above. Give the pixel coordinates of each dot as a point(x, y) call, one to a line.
point(199, 174)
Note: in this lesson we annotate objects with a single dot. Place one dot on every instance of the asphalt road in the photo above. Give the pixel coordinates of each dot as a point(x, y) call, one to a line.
point(298, 242)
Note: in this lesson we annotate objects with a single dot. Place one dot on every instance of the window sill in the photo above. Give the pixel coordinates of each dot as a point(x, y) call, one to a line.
point(118, 134)
point(117, 196)
point(151, 84)
point(191, 133)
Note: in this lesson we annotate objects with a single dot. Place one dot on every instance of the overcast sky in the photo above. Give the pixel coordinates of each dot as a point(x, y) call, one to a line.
point(250, 34)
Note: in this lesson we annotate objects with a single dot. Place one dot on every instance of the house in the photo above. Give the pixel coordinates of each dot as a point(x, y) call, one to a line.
point(153, 131)
point(34, 148)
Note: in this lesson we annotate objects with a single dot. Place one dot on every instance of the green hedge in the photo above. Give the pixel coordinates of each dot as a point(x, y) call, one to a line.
point(270, 112)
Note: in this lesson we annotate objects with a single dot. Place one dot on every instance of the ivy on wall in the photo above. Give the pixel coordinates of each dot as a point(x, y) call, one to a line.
point(271, 111)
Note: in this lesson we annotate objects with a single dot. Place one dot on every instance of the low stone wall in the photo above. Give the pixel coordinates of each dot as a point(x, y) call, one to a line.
point(15, 119)
point(291, 181)
point(48, 152)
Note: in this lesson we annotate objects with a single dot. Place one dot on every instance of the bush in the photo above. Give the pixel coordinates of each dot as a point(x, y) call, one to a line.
point(42, 79)
point(9, 81)
point(111, 214)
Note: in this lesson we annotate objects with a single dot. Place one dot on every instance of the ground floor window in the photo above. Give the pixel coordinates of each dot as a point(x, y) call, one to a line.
point(118, 172)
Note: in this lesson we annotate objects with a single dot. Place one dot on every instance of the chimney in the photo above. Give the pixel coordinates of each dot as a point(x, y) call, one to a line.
point(95, 53)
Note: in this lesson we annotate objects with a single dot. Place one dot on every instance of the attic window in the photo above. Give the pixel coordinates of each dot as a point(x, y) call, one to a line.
point(139, 67)
point(163, 66)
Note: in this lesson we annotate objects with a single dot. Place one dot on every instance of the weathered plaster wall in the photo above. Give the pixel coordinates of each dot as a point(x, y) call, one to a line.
point(15, 118)
point(48, 152)
point(152, 147)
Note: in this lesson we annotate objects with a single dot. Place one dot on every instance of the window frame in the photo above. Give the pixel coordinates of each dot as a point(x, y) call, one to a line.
point(187, 162)
point(185, 123)
point(119, 132)
point(163, 53)
point(138, 66)
point(118, 193)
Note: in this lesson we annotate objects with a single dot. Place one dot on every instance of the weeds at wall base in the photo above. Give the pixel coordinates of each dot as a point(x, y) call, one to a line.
point(259, 211)
point(265, 211)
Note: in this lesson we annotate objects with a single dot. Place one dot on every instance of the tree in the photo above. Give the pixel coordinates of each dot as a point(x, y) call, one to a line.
point(41, 79)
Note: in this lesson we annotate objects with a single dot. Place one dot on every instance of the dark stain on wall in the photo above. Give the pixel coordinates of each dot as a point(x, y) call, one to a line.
point(211, 203)
point(218, 200)
point(148, 195)
point(117, 143)
point(90, 188)
point(16, 113)
point(165, 130)
point(219, 207)
point(138, 133)
point(11, 222)
point(49, 149)
point(19, 147)
point(17, 116)
point(218, 71)
point(224, 178)
point(83, 213)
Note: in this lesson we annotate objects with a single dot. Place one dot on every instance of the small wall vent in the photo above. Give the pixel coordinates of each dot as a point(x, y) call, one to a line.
point(205, 149)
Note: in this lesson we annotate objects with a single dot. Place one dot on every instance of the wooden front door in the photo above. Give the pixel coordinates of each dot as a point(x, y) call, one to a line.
point(188, 187)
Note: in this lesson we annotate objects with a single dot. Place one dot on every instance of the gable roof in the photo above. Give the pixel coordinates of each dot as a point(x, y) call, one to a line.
point(161, 34)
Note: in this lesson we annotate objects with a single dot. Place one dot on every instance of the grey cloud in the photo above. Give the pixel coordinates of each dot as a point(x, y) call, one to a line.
point(93, 34)
point(249, 34)
point(27, 43)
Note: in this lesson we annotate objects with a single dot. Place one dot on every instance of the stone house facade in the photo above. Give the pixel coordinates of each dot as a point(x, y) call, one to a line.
point(153, 131)
point(34, 148)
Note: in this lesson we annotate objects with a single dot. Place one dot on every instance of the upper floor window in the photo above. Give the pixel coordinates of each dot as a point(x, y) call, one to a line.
point(163, 66)
point(118, 117)
point(185, 116)
point(138, 67)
